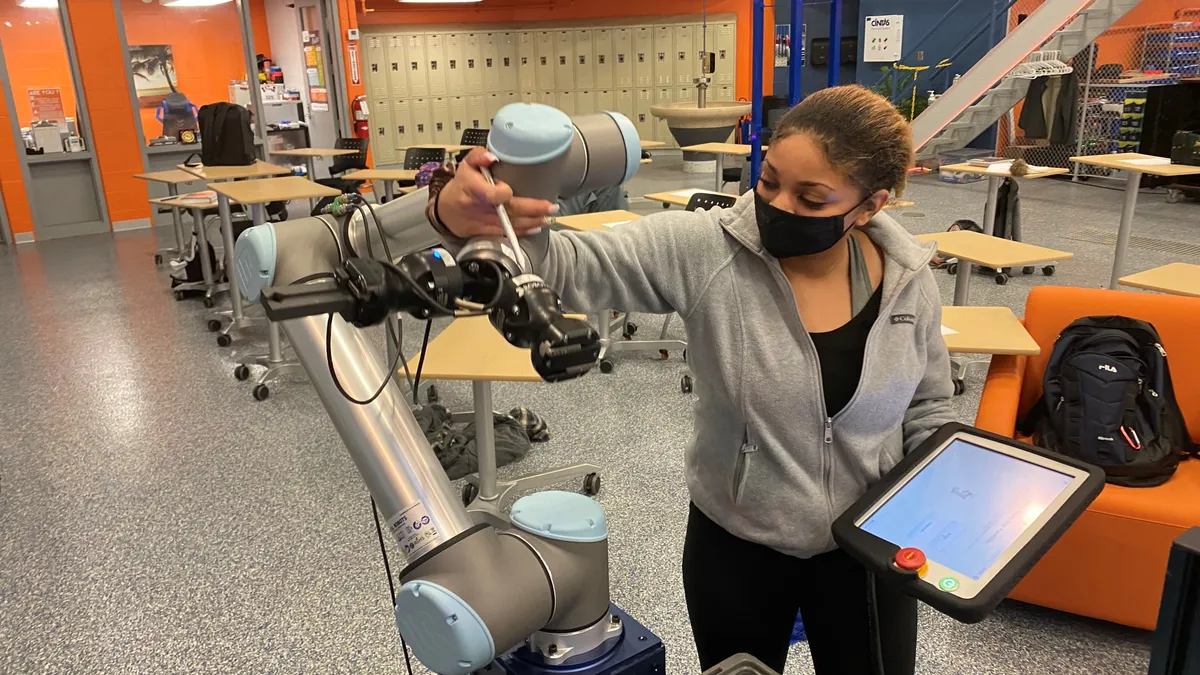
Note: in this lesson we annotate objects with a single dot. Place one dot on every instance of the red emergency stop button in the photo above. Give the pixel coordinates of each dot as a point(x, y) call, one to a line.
point(910, 559)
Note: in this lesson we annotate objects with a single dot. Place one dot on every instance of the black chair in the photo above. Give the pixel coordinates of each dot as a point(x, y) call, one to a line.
point(415, 157)
point(474, 137)
point(344, 164)
point(709, 200)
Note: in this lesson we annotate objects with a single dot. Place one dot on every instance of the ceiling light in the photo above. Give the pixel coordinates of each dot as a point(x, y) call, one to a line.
point(194, 3)
point(40, 4)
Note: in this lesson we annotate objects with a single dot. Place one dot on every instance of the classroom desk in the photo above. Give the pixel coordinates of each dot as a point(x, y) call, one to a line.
point(982, 330)
point(651, 145)
point(197, 207)
point(471, 349)
point(310, 156)
point(259, 169)
point(256, 194)
point(388, 176)
point(720, 150)
point(1132, 164)
point(1176, 278)
point(172, 179)
point(994, 179)
point(602, 220)
point(983, 249)
point(450, 148)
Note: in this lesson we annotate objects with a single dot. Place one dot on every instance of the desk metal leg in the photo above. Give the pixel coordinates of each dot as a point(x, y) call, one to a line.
point(393, 345)
point(206, 263)
point(720, 172)
point(276, 365)
point(236, 314)
point(311, 165)
point(989, 209)
point(962, 283)
point(389, 190)
point(161, 254)
point(1132, 182)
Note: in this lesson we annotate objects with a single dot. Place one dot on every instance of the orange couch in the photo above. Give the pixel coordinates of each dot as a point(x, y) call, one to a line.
point(1111, 563)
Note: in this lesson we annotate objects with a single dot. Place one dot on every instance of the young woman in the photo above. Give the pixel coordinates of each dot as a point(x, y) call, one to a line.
point(814, 337)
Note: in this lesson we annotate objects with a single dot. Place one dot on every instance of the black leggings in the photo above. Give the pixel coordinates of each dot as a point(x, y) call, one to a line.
point(743, 597)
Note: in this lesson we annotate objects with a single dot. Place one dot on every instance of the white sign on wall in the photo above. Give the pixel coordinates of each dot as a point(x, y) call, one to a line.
point(883, 38)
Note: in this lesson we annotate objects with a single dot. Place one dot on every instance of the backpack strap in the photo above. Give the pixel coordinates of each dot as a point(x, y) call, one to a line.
point(219, 123)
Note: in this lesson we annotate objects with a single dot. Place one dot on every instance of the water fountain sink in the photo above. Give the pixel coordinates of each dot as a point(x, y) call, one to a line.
point(691, 125)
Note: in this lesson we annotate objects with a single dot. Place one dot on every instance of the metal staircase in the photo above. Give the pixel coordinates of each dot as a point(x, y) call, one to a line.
point(987, 91)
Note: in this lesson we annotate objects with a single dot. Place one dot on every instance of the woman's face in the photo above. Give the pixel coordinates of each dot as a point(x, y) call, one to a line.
point(798, 178)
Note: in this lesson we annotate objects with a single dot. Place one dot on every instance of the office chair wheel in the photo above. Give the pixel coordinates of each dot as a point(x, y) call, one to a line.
point(606, 366)
point(591, 484)
point(1028, 269)
point(666, 205)
point(1174, 196)
point(241, 373)
point(214, 325)
point(179, 296)
point(685, 384)
point(664, 354)
point(685, 355)
point(469, 492)
point(631, 329)
point(261, 392)
point(208, 302)
point(952, 269)
point(959, 387)
point(223, 340)
point(1001, 278)
point(1048, 271)
point(157, 259)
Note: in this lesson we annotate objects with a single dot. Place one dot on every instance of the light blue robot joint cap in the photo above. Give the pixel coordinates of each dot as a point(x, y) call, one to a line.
point(444, 632)
point(254, 260)
point(562, 516)
point(633, 144)
point(530, 133)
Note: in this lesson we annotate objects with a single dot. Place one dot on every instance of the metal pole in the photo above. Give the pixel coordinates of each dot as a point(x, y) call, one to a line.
point(796, 36)
point(756, 91)
point(1132, 183)
point(1083, 115)
point(835, 41)
point(485, 439)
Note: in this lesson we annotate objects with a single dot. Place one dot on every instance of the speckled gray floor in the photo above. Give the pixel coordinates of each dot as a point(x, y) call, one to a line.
point(153, 518)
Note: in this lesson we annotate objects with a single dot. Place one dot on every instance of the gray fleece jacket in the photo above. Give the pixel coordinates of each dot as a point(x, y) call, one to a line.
point(766, 462)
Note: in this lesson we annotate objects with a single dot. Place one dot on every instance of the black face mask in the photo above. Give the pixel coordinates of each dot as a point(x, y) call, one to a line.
point(785, 234)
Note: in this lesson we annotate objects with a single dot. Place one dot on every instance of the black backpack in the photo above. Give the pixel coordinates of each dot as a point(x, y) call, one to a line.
point(225, 136)
point(1107, 399)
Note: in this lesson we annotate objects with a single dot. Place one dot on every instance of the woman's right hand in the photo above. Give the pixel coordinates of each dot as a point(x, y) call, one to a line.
point(467, 204)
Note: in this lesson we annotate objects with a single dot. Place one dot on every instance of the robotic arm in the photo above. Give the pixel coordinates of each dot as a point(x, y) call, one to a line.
point(536, 593)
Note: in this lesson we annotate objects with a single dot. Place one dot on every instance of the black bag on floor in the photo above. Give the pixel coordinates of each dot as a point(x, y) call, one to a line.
point(192, 270)
point(1107, 399)
point(225, 136)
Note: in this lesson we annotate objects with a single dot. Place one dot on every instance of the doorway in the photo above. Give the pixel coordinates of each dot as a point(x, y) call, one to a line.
point(318, 37)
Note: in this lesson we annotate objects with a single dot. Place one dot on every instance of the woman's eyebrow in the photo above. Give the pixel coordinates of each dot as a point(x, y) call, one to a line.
point(810, 183)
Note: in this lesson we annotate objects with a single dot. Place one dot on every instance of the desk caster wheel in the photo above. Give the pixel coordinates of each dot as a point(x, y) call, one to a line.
point(469, 492)
point(157, 259)
point(606, 366)
point(223, 340)
point(1030, 269)
point(685, 356)
point(261, 392)
point(959, 387)
point(591, 484)
point(241, 373)
point(208, 302)
point(952, 269)
point(1001, 278)
point(1048, 271)
point(685, 384)
point(664, 354)
point(431, 395)
point(1174, 196)
point(214, 325)
point(630, 330)
point(179, 296)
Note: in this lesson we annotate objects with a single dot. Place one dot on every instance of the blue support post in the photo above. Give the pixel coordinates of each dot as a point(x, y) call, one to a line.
point(835, 41)
point(756, 92)
point(796, 37)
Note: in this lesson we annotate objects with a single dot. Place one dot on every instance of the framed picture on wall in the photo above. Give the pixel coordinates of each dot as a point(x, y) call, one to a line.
point(153, 69)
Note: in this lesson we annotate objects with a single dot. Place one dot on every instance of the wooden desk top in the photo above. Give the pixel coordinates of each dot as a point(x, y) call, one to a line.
point(991, 251)
point(677, 197)
point(313, 152)
point(450, 148)
point(603, 220)
point(190, 200)
point(1120, 160)
point(647, 161)
point(986, 330)
point(274, 190)
point(650, 145)
point(259, 169)
point(472, 349)
point(982, 171)
point(381, 174)
point(1176, 278)
point(172, 176)
point(720, 148)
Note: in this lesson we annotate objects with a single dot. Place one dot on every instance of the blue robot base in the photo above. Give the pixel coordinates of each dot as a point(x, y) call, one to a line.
point(639, 652)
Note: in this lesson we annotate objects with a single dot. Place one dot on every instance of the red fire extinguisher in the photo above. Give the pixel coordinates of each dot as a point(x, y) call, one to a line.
point(362, 127)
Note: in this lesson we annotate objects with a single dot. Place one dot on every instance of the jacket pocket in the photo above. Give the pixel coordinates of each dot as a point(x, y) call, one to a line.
point(741, 469)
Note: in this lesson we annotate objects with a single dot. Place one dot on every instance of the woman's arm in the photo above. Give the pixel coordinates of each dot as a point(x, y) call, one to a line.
point(930, 407)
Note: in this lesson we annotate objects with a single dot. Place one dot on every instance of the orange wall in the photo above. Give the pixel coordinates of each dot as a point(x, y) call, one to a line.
point(36, 56)
point(516, 11)
point(12, 184)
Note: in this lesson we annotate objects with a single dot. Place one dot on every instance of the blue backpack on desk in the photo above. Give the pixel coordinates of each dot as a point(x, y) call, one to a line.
point(1107, 399)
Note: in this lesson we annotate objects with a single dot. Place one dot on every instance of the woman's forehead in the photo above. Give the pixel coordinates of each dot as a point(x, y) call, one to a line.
point(798, 159)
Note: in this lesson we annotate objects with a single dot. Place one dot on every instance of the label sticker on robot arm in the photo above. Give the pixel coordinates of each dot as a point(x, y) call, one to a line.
point(414, 530)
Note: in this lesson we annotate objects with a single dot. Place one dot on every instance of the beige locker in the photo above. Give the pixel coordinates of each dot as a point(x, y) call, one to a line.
point(602, 45)
point(441, 121)
point(456, 65)
point(401, 126)
point(473, 58)
point(726, 54)
point(565, 101)
point(686, 61)
point(414, 52)
point(661, 131)
point(490, 52)
point(527, 60)
point(547, 98)
point(564, 69)
point(513, 97)
point(704, 40)
point(624, 103)
point(381, 132)
point(643, 57)
point(422, 126)
point(622, 52)
point(477, 113)
point(494, 103)
point(458, 118)
point(723, 93)
point(642, 119)
point(506, 64)
point(547, 63)
point(683, 94)
point(528, 97)
point(585, 102)
point(435, 56)
point(397, 74)
point(585, 60)
point(664, 57)
point(606, 100)
point(377, 66)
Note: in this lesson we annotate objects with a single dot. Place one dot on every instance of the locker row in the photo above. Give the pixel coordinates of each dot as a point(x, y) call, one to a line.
point(401, 66)
point(399, 124)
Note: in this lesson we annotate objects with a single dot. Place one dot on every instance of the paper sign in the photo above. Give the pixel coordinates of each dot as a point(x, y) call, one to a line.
point(47, 105)
point(1149, 161)
point(948, 331)
point(353, 49)
point(882, 38)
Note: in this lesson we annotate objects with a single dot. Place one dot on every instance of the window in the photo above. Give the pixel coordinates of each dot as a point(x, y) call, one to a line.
point(39, 73)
